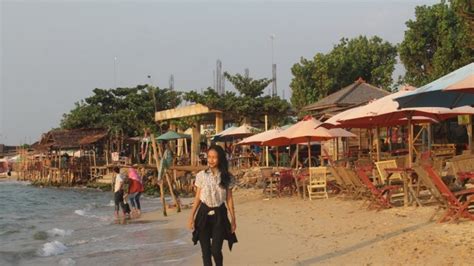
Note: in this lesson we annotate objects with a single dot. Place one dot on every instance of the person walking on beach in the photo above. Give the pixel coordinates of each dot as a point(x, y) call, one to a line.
point(214, 191)
point(118, 193)
point(166, 161)
point(134, 191)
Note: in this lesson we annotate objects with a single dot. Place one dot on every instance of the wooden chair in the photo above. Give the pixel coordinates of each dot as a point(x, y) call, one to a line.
point(458, 203)
point(462, 163)
point(340, 184)
point(360, 190)
point(286, 180)
point(301, 175)
point(269, 182)
point(382, 165)
point(380, 196)
point(317, 182)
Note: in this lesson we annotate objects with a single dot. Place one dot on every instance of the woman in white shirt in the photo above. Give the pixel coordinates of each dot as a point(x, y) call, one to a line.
point(214, 191)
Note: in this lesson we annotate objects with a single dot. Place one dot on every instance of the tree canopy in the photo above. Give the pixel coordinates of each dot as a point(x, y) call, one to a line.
point(437, 42)
point(247, 104)
point(127, 110)
point(373, 59)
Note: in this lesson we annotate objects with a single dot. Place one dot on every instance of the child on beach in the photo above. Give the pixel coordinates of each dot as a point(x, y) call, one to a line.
point(134, 191)
point(118, 193)
point(213, 193)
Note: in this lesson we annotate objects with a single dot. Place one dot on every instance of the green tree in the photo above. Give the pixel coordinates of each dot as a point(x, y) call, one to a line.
point(247, 104)
point(437, 42)
point(373, 59)
point(127, 110)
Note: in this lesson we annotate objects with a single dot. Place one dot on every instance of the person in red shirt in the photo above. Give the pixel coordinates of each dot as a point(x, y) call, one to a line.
point(135, 190)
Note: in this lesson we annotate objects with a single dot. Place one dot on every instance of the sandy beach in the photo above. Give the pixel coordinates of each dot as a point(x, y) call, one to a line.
point(337, 231)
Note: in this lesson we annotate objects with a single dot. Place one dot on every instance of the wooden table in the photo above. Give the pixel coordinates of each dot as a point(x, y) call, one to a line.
point(408, 193)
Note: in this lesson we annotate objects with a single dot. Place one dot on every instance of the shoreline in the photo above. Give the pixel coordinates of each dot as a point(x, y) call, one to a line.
point(336, 231)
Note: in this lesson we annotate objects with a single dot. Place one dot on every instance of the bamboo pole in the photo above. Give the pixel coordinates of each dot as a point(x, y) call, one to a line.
point(377, 143)
point(266, 147)
point(162, 189)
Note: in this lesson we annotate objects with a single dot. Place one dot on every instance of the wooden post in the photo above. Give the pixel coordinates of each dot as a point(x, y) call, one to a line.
point(410, 141)
point(309, 153)
point(410, 159)
point(430, 136)
point(266, 147)
point(377, 143)
point(195, 144)
point(162, 189)
point(469, 135)
point(297, 155)
point(220, 126)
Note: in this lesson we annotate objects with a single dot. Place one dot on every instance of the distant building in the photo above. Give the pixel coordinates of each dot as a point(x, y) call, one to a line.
point(6, 150)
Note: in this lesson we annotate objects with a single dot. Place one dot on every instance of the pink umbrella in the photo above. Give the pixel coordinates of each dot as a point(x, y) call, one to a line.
point(465, 85)
point(261, 137)
point(305, 131)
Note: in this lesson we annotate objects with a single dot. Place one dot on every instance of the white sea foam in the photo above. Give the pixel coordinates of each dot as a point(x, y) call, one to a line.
point(52, 248)
point(111, 203)
point(80, 212)
point(85, 213)
point(59, 232)
point(67, 262)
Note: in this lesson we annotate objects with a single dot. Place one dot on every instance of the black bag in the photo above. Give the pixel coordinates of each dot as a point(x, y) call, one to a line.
point(127, 207)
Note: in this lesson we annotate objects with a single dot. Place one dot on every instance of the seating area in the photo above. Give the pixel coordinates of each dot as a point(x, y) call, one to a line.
point(382, 185)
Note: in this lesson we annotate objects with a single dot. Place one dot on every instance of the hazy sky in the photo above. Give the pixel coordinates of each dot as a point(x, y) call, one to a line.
point(54, 53)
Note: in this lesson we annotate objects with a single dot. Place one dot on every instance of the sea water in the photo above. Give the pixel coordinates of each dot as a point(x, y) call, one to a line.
point(64, 226)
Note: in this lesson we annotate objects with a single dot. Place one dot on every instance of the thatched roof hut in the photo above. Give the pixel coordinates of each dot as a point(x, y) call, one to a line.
point(356, 94)
point(72, 138)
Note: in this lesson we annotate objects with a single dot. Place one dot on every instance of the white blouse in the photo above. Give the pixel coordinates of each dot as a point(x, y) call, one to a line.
point(211, 193)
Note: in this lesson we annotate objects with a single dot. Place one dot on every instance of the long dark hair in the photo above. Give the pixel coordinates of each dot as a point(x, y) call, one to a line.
point(222, 165)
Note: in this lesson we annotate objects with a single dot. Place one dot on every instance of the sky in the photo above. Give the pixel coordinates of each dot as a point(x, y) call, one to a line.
point(54, 53)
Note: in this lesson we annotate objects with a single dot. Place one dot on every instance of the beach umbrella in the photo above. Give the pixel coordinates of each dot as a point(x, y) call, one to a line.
point(219, 137)
point(447, 91)
point(385, 112)
point(466, 85)
point(257, 139)
point(172, 135)
point(305, 131)
point(240, 132)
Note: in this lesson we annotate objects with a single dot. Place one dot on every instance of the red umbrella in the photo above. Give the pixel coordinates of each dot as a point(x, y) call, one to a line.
point(305, 131)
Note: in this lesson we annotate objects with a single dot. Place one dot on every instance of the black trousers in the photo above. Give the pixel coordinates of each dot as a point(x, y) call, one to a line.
point(213, 231)
point(118, 198)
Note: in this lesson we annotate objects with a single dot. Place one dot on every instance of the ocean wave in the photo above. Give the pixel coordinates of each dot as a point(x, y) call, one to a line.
point(14, 182)
point(59, 232)
point(84, 213)
point(67, 262)
point(52, 248)
point(92, 240)
point(9, 232)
